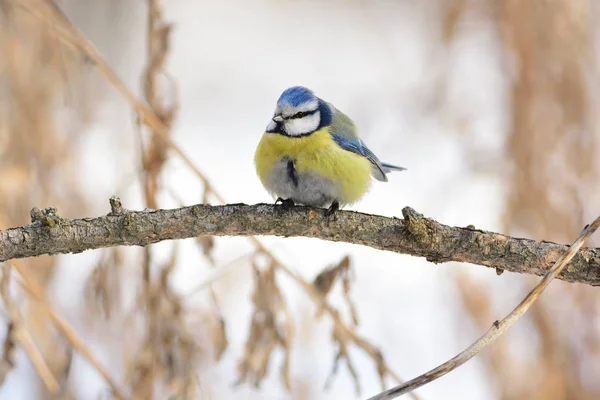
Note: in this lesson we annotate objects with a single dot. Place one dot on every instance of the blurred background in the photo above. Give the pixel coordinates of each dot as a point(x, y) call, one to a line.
point(491, 105)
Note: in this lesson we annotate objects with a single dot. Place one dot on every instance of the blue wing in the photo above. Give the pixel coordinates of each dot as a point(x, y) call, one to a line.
point(343, 132)
point(358, 146)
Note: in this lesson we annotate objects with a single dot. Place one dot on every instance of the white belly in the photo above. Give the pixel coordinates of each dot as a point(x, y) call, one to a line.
point(309, 189)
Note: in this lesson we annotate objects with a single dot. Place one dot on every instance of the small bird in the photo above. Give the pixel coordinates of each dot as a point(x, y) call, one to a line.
point(311, 154)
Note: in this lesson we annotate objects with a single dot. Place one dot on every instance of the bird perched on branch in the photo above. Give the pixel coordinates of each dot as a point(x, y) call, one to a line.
point(311, 154)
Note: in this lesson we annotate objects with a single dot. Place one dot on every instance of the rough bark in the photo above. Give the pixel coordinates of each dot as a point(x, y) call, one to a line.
point(414, 235)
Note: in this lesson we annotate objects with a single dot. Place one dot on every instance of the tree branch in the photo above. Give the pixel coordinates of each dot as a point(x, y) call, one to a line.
point(414, 235)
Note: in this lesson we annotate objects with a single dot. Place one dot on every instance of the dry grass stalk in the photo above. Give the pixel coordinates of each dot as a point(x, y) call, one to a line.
point(170, 355)
point(38, 362)
point(104, 285)
point(452, 14)
point(168, 352)
point(215, 320)
point(345, 334)
point(9, 345)
point(7, 362)
point(218, 333)
point(271, 327)
point(155, 155)
point(326, 279)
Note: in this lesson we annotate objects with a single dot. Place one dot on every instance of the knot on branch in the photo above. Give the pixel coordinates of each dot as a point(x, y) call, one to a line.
point(416, 225)
point(116, 208)
point(46, 217)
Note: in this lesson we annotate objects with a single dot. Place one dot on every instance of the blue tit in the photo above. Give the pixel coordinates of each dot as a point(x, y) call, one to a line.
point(311, 154)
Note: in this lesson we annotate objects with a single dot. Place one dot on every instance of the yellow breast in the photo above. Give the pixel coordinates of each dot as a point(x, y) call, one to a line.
point(317, 153)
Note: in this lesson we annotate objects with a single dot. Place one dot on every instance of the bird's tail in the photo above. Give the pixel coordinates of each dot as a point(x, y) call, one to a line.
point(389, 168)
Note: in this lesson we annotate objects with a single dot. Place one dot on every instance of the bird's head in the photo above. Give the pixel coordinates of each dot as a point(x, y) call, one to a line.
point(298, 113)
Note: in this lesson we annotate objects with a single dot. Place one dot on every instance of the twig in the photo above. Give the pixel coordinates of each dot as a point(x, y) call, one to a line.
point(498, 327)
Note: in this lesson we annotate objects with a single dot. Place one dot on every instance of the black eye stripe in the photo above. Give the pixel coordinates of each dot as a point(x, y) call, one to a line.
point(302, 114)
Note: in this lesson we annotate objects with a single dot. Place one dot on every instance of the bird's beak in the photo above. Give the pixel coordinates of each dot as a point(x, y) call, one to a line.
point(278, 118)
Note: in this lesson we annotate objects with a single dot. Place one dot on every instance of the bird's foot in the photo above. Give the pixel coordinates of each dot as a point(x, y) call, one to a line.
point(286, 203)
point(332, 209)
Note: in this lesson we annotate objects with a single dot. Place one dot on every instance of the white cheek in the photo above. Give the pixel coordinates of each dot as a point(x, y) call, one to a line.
point(272, 125)
point(300, 126)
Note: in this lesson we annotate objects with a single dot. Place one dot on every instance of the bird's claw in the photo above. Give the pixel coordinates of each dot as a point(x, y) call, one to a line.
point(332, 209)
point(287, 203)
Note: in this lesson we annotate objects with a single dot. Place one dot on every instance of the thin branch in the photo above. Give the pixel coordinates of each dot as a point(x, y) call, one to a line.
point(498, 327)
point(414, 235)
